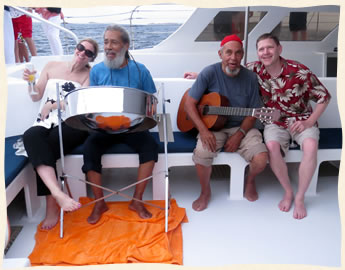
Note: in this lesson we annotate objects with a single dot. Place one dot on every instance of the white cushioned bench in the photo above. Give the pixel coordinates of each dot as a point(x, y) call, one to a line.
point(174, 88)
point(330, 144)
point(180, 151)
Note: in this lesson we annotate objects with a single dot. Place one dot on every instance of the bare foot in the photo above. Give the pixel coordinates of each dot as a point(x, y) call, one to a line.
point(299, 211)
point(140, 209)
point(97, 211)
point(66, 202)
point(285, 203)
point(202, 202)
point(52, 214)
point(250, 192)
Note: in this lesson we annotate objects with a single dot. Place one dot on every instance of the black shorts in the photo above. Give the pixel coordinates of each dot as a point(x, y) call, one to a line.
point(298, 21)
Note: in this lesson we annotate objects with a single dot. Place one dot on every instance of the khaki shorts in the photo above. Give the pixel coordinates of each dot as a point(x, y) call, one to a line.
point(251, 145)
point(273, 132)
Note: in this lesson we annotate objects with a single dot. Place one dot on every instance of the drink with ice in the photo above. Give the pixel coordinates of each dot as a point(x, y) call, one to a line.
point(32, 79)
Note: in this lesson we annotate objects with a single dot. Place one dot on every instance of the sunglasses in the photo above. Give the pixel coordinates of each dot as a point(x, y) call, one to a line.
point(88, 53)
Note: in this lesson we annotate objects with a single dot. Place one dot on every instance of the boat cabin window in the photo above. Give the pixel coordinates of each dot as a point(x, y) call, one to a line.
point(306, 26)
point(227, 23)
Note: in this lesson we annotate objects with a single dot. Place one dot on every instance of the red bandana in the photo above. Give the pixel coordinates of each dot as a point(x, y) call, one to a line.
point(231, 38)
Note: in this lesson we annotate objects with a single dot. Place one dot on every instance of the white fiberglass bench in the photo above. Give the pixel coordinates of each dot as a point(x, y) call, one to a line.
point(179, 151)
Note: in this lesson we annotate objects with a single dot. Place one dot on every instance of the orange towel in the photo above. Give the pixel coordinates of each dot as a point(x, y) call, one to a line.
point(121, 236)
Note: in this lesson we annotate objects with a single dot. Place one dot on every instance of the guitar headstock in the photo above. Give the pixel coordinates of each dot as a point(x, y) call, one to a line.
point(267, 115)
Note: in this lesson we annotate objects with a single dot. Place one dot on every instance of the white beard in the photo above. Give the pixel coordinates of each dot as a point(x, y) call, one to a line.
point(232, 73)
point(117, 62)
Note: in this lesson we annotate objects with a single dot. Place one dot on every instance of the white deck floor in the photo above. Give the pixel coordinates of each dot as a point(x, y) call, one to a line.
point(234, 232)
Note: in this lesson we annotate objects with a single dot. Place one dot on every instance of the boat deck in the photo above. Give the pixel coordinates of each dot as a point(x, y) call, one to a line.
point(232, 232)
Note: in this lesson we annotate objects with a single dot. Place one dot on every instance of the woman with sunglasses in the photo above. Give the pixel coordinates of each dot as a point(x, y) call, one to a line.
point(41, 141)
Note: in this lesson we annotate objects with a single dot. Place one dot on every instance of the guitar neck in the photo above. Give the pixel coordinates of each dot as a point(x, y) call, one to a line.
point(227, 111)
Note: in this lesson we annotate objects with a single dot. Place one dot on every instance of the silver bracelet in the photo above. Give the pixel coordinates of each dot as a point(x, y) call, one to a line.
point(243, 131)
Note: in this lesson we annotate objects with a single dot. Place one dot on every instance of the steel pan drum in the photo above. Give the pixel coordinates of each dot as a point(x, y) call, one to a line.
point(110, 109)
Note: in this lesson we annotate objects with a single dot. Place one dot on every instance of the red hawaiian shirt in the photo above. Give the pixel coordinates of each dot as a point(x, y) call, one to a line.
point(291, 91)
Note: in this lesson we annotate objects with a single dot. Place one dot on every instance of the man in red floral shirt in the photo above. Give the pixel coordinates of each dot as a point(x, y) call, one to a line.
point(289, 86)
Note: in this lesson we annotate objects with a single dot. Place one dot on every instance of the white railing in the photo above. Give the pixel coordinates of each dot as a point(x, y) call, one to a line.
point(69, 32)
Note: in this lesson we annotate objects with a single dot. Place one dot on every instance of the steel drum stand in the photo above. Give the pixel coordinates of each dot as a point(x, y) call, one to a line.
point(62, 157)
point(165, 138)
point(64, 176)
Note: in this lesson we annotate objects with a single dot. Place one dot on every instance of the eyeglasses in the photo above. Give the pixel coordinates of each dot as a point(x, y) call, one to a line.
point(88, 53)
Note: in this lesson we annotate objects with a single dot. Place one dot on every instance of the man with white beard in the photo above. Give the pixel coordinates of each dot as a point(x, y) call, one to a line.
point(118, 69)
point(240, 86)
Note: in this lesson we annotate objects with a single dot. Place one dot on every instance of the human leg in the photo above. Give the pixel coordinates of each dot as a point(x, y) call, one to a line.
point(23, 52)
point(31, 45)
point(100, 206)
point(94, 147)
point(294, 35)
point(305, 173)
point(204, 174)
point(254, 151)
point(43, 151)
point(52, 213)
point(147, 148)
point(256, 166)
point(298, 25)
point(16, 51)
point(280, 170)
point(16, 30)
point(47, 174)
point(203, 159)
point(71, 138)
point(277, 142)
point(304, 35)
point(20, 32)
point(27, 35)
point(53, 35)
point(144, 171)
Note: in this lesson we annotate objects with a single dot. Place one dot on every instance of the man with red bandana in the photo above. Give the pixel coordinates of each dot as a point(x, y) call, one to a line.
point(289, 86)
point(240, 86)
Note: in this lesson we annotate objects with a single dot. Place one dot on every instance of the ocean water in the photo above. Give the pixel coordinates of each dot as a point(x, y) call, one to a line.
point(144, 36)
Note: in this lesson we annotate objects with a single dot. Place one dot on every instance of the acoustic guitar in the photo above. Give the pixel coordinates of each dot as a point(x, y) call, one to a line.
point(214, 109)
